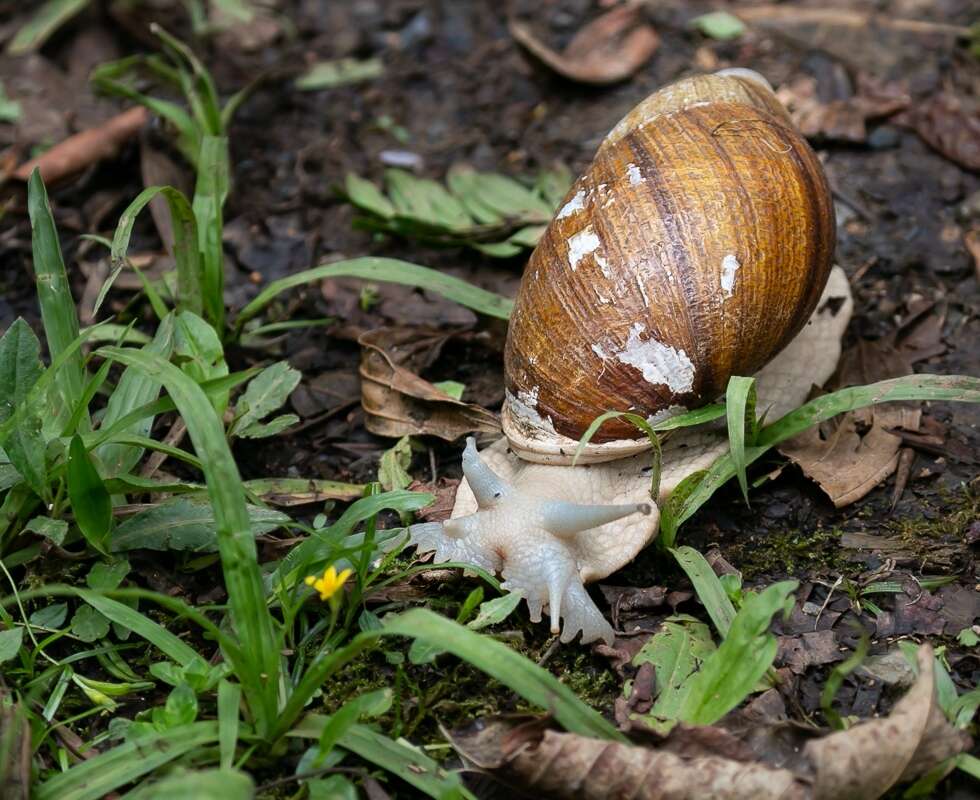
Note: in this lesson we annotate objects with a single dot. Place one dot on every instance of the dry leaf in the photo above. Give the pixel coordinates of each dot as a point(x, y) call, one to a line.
point(861, 763)
point(609, 49)
point(845, 463)
point(398, 402)
point(15, 757)
point(85, 148)
point(951, 124)
point(842, 120)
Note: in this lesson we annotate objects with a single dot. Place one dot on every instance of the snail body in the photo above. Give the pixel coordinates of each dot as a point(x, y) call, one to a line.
point(695, 247)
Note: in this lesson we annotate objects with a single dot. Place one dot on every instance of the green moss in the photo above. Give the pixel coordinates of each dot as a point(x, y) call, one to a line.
point(791, 552)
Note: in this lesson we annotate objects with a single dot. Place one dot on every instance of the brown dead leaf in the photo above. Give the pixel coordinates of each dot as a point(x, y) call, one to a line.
point(949, 123)
point(851, 454)
point(609, 49)
point(841, 120)
point(860, 763)
point(444, 491)
point(398, 402)
point(846, 464)
point(85, 148)
point(805, 650)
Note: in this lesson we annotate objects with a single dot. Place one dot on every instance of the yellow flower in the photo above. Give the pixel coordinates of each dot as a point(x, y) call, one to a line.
point(331, 581)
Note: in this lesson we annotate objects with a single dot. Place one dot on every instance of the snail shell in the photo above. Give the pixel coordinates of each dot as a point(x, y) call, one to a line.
point(694, 248)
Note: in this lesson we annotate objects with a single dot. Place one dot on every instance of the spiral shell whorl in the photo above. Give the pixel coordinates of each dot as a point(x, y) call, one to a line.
point(693, 248)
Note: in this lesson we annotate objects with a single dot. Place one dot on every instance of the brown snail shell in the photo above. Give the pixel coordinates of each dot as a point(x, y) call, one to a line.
point(694, 248)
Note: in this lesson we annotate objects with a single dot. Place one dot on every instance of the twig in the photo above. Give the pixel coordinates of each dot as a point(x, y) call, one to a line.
point(173, 438)
point(843, 18)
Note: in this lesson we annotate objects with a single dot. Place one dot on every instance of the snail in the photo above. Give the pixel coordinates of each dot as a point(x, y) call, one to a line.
point(698, 245)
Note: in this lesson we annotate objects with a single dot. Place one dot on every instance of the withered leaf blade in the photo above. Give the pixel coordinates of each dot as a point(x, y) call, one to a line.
point(397, 402)
point(607, 50)
point(861, 763)
point(950, 123)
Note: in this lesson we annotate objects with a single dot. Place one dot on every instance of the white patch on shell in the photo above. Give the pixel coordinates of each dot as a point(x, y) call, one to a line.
point(667, 413)
point(729, 266)
point(529, 398)
point(577, 203)
point(659, 363)
point(529, 413)
point(583, 243)
point(643, 290)
point(636, 177)
point(597, 349)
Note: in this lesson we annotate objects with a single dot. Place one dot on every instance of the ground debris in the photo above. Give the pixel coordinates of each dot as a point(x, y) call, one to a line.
point(607, 50)
point(864, 761)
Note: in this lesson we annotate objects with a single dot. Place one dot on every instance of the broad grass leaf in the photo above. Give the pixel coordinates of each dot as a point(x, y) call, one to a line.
point(385, 269)
point(210, 194)
point(134, 390)
point(10, 641)
point(532, 682)
point(339, 72)
point(58, 311)
point(495, 610)
point(44, 23)
point(90, 501)
point(677, 651)
point(258, 662)
point(206, 784)
point(426, 201)
point(20, 366)
point(740, 399)
point(731, 673)
point(368, 197)
point(185, 524)
point(265, 393)
point(710, 590)
point(118, 766)
point(55, 530)
point(275, 426)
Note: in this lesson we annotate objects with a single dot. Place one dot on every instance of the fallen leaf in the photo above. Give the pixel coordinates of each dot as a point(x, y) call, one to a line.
point(805, 650)
point(398, 402)
point(444, 491)
point(15, 756)
point(860, 763)
point(85, 148)
point(607, 50)
point(846, 464)
point(845, 119)
point(949, 123)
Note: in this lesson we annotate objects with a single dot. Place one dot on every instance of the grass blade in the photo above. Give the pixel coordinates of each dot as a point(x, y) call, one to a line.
point(740, 409)
point(54, 296)
point(393, 271)
point(43, 24)
point(168, 644)
point(250, 618)
point(229, 696)
point(736, 667)
point(90, 502)
point(530, 681)
point(209, 199)
point(710, 591)
point(186, 254)
point(135, 389)
point(398, 758)
point(98, 776)
point(955, 388)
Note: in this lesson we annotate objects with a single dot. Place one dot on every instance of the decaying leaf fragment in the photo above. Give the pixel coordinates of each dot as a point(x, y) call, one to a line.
point(397, 402)
point(861, 763)
point(609, 49)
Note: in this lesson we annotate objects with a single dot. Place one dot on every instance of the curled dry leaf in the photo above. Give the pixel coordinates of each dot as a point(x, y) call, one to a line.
point(85, 148)
point(950, 123)
point(861, 763)
point(853, 453)
point(609, 49)
point(845, 119)
point(397, 402)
